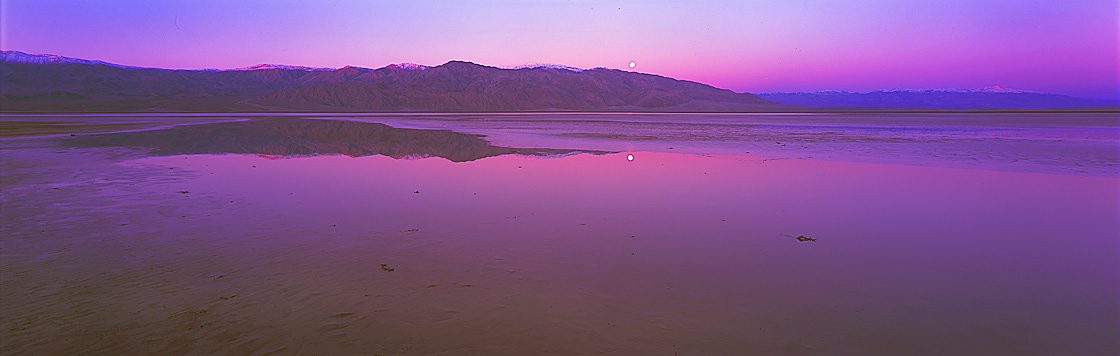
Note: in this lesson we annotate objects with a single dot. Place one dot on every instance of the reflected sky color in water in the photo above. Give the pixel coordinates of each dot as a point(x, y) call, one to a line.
point(1078, 144)
point(691, 247)
point(919, 258)
point(1074, 144)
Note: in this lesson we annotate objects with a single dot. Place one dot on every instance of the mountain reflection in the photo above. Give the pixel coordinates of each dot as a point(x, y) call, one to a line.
point(296, 137)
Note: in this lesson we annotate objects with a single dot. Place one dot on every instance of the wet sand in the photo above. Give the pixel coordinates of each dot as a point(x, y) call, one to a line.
point(63, 125)
point(115, 251)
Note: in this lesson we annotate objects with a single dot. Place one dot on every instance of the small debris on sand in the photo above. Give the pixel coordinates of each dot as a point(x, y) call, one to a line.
point(385, 267)
point(416, 192)
point(183, 192)
point(801, 238)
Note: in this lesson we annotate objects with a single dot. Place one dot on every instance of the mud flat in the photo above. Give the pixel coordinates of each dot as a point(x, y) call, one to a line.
point(125, 249)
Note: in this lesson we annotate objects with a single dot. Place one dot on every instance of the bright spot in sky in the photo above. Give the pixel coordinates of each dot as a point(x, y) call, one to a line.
point(630, 157)
point(632, 64)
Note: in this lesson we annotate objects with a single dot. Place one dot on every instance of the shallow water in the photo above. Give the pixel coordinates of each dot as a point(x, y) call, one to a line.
point(111, 250)
point(1079, 144)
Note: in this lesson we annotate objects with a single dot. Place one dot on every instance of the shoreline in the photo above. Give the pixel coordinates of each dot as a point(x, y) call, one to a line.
point(1080, 144)
point(326, 110)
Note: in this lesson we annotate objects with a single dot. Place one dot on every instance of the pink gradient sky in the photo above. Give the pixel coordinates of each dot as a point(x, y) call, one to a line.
point(1067, 47)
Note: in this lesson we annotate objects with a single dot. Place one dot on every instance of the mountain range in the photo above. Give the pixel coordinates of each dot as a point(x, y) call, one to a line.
point(50, 83)
point(55, 83)
point(993, 97)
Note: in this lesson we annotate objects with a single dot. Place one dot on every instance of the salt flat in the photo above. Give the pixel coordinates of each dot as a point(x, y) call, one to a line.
point(934, 235)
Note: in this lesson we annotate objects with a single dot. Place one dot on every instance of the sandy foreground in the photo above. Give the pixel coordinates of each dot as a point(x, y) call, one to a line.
point(115, 251)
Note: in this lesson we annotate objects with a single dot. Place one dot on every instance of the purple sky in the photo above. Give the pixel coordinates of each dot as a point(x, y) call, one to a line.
point(1068, 47)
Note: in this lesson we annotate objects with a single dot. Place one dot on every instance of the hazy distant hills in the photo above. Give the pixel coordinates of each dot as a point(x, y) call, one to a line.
point(468, 86)
point(54, 83)
point(987, 98)
point(48, 83)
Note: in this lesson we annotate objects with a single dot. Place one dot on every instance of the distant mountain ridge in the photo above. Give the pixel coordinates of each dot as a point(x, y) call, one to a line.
point(987, 89)
point(991, 97)
point(51, 83)
point(28, 58)
point(55, 83)
point(281, 66)
point(20, 57)
point(459, 85)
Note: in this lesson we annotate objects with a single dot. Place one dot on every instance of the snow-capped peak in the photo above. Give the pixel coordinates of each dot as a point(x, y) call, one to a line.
point(354, 67)
point(995, 89)
point(20, 57)
point(408, 66)
point(280, 66)
point(546, 65)
point(999, 89)
point(987, 89)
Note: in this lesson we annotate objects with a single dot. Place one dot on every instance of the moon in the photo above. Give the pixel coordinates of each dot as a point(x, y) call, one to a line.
point(629, 157)
point(632, 64)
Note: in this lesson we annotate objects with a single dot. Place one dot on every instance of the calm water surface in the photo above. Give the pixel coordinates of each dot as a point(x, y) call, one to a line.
point(1012, 250)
